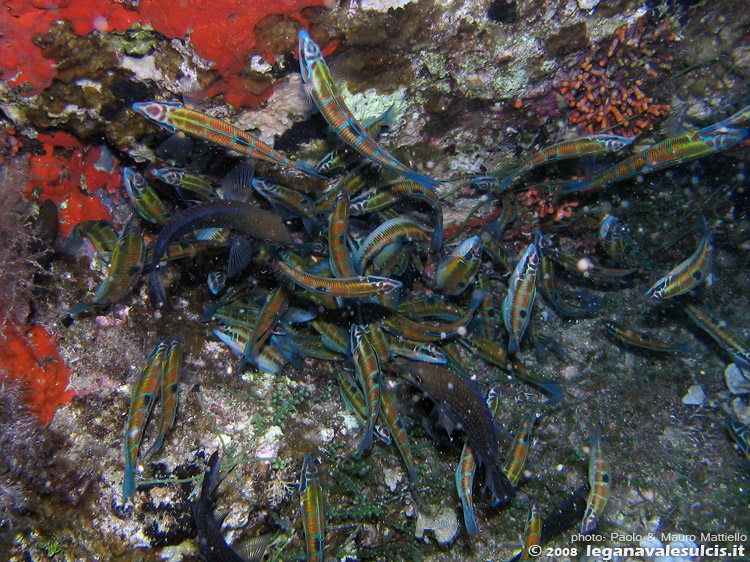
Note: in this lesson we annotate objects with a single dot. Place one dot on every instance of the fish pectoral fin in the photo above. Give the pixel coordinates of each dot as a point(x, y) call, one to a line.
point(445, 422)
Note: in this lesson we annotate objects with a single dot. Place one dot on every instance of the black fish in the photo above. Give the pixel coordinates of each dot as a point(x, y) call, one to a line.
point(566, 515)
point(212, 544)
point(235, 215)
point(460, 406)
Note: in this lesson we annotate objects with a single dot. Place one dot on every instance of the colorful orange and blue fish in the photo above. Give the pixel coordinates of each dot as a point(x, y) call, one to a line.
point(144, 198)
point(311, 510)
point(644, 340)
point(519, 301)
point(171, 369)
point(338, 234)
point(176, 117)
point(324, 92)
point(669, 152)
point(514, 463)
point(455, 273)
point(720, 331)
point(367, 367)
point(181, 178)
point(141, 404)
point(125, 267)
point(532, 534)
point(600, 483)
point(690, 273)
point(573, 148)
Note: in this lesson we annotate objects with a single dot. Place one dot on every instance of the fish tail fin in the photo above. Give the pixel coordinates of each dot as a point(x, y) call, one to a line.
point(501, 488)
point(470, 521)
point(128, 484)
point(157, 444)
point(80, 307)
point(512, 346)
point(505, 183)
point(156, 295)
point(366, 442)
point(426, 181)
point(310, 170)
point(575, 187)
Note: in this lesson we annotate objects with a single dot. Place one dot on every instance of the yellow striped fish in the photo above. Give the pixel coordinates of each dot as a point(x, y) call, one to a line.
point(311, 510)
point(141, 404)
point(325, 94)
point(600, 482)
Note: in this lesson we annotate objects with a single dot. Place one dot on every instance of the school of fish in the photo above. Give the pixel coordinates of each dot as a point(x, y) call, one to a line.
point(361, 281)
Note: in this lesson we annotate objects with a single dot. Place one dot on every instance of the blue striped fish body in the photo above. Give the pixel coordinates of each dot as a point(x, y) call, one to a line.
point(323, 90)
point(311, 510)
point(520, 298)
point(690, 273)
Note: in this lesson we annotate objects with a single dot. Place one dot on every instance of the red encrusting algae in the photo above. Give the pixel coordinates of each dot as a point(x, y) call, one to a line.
point(31, 357)
point(222, 32)
point(70, 180)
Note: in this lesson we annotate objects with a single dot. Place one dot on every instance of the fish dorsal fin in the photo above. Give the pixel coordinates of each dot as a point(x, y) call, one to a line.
point(238, 183)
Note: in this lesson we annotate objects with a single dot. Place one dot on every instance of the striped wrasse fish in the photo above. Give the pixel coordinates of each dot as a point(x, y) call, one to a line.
point(141, 404)
point(311, 510)
point(176, 117)
point(573, 148)
point(644, 339)
point(325, 94)
point(379, 198)
point(125, 267)
point(347, 287)
point(520, 298)
point(177, 177)
point(425, 332)
point(144, 198)
point(741, 435)
point(455, 273)
point(101, 233)
point(599, 481)
point(532, 533)
point(338, 233)
point(267, 320)
point(690, 273)
point(720, 331)
point(669, 152)
point(392, 230)
point(467, 468)
point(171, 368)
point(513, 466)
point(367, 367)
